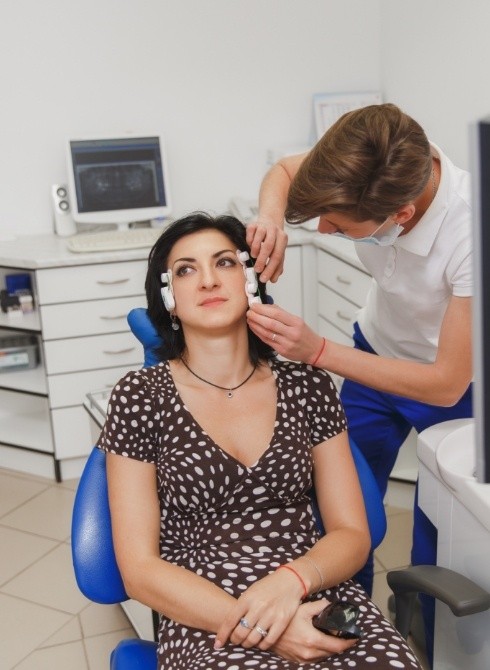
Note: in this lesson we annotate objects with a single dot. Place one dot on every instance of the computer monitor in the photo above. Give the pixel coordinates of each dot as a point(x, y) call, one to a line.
point(118, 180)
point(481, 312)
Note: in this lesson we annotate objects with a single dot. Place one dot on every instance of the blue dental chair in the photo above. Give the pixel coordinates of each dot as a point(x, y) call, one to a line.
point(94, 560)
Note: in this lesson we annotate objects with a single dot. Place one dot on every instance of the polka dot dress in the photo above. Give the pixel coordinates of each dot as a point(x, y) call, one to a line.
point(234, 524)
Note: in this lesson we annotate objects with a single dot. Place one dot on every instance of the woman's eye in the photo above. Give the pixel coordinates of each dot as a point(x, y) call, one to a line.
point(183, 270)
point(227, 262)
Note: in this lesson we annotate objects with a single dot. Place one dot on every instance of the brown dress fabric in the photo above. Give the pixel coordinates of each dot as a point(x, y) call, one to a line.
point(234, 524)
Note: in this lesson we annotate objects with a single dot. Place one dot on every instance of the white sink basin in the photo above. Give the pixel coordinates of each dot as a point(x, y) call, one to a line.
point(456, 458)
point(448, 450)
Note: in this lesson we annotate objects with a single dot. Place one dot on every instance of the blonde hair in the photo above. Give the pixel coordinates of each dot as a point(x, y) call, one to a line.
point(368, 164)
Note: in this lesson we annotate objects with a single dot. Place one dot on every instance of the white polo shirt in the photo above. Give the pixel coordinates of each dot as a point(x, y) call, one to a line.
point(415, 278)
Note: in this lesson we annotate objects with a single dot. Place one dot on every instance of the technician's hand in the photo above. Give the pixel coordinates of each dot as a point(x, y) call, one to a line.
point(263, 612)
point(303, 643)
point(267, 243)
point(287, 334)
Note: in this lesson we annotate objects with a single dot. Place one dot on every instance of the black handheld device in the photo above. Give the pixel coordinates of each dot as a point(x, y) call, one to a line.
point(339, 618)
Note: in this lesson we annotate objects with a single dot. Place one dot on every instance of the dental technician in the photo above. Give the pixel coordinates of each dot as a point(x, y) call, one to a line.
point(375, 178)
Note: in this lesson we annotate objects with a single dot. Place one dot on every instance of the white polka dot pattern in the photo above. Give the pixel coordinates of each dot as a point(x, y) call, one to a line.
point(234, 524)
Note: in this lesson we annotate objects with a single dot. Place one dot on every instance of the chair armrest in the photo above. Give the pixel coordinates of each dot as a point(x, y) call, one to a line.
point(461, 594)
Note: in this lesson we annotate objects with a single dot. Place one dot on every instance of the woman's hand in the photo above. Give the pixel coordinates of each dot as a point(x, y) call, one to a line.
point(287, 334)
point(303, 643)
point(263, 612)
point(267, 243)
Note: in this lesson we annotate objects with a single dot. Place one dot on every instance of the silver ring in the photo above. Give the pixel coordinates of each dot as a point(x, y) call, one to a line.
point(261, 630)
point(274, 335)
point(244, 623)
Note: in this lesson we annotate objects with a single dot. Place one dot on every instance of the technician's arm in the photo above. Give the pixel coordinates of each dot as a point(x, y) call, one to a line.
point(166, 588)
point(266, 236)
point(440, 383)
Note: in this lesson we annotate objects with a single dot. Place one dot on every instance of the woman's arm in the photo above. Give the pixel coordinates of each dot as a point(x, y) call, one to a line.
point(265, 235)
point(337, 556)
point(442, 382)
point(345, 547)
point(135, 515)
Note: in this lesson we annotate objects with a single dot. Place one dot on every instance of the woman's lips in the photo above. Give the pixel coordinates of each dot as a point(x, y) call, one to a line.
point(209, 302)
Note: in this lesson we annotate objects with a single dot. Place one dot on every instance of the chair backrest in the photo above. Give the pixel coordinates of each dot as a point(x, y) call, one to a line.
point(93, 556)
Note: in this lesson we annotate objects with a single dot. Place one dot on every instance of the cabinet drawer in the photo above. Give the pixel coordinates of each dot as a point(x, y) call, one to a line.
point(341, 277)
point(24, 421)
point(91, 282)
point(92, 353)
point(72, 436)
point(340, 312)
point(87, 318)
point(71, 389)
point(331, 332)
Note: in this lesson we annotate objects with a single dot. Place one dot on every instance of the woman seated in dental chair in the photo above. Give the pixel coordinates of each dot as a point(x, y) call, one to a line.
point(210, 456)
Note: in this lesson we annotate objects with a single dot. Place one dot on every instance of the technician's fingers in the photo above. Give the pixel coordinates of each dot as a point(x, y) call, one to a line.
point(267, 246)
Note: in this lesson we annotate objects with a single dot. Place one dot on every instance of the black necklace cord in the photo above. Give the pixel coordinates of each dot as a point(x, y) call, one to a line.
point(222, 388)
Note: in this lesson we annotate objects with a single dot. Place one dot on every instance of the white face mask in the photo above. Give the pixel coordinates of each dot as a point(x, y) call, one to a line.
point(380, 239)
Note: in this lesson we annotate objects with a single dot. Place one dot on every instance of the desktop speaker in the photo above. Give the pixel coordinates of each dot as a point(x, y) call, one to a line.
point(63, 220)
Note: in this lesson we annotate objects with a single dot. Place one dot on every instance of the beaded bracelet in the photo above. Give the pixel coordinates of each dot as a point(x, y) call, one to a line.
point(288, 567)
point(324, 342)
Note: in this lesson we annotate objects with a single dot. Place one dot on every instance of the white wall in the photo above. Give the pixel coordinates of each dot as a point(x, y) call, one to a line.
point(224, 80)
point(435, 59)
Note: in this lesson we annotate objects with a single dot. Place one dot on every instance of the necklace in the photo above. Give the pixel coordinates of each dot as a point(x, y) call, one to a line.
point(223, 388)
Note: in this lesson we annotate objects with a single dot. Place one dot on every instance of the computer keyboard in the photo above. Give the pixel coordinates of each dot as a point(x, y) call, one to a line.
point(113, 240)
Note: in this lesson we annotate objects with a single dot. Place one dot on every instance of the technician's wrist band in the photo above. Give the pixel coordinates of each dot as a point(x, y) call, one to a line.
point(324, 342)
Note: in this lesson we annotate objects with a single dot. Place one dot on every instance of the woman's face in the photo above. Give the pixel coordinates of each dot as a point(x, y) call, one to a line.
point(208, 281)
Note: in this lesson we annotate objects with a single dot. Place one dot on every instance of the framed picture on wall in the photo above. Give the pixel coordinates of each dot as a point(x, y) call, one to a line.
point(328, 107)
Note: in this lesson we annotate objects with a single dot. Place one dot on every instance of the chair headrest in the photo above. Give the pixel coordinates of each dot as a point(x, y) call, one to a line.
point(145, 332)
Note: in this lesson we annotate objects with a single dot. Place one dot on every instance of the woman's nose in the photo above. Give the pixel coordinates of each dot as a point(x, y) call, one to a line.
point(209, 278)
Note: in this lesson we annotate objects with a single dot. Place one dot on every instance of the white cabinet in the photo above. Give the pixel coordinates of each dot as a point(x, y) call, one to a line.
point(287, 291)
point(343, 285)
point(342, 290)
point(81, 304)
point(87, 341)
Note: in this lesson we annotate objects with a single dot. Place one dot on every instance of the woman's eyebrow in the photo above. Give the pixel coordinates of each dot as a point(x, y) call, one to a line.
point(193, 260)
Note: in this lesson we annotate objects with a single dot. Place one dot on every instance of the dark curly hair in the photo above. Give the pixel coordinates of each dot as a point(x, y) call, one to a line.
point(173, 341)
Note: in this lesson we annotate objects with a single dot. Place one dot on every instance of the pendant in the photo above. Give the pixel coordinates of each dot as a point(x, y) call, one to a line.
point(229, 394)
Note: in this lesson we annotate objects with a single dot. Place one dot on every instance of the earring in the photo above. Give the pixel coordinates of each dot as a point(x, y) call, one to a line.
point(175, 323)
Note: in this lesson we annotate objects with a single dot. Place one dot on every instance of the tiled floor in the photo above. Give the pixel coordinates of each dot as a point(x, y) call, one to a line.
point(45, 621)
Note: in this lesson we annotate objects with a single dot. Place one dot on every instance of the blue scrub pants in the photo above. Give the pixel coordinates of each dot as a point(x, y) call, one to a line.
point(379, 423)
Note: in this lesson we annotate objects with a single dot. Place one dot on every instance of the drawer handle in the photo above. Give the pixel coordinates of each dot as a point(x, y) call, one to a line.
point(343, 316)
point(120, 351)
point(341, 280)
point(109, 282)
point(112, 318)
